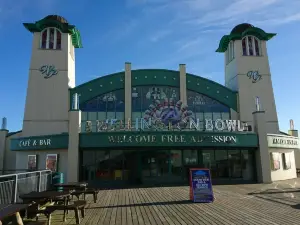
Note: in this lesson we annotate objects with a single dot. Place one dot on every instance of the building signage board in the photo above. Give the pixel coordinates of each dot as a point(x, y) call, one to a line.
point(201, 186)
point(59, 141)
point(169, 138)
point(282, 141)
point(141, 124)
point(35, 142)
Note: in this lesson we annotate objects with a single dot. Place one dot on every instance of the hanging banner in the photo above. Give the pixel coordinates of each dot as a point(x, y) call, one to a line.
point(201, 185)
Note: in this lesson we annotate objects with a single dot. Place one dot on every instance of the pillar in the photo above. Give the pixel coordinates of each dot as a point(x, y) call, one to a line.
point(3, 134)
point(128, 88)
point(182, 78)
point(262, 155)
point(73, 147)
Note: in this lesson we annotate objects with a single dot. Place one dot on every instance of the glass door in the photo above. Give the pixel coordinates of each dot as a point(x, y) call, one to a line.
point(155, 166)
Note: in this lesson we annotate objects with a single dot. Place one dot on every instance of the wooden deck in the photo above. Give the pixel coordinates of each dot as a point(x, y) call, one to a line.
point(235, 204)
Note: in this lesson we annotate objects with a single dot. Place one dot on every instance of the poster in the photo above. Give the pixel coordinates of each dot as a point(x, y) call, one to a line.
point(276, 160)
point(286, 161)
point(200, 185)
point(51, 162)
point(32, 163)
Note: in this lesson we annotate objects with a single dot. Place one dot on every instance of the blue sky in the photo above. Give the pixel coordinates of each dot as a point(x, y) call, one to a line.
point(152, 34)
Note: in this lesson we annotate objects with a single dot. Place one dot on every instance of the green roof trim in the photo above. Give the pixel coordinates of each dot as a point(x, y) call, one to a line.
point(40, 25)
point(161, 77)
point(253, 31)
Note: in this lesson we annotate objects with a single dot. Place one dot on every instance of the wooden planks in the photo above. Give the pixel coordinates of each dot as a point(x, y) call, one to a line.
point(170, 206)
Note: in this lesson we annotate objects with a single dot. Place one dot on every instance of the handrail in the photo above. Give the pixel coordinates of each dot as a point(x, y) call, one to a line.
point(14, 174)
point(14, 188)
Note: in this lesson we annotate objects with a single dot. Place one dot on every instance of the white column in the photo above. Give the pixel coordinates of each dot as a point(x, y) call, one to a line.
point(262, 154)
point(73, 148)
point(127, 91)
point(182, 78)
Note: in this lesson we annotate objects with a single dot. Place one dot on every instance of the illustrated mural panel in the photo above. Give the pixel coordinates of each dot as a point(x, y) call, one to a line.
point(107, 106)
point(158, 108)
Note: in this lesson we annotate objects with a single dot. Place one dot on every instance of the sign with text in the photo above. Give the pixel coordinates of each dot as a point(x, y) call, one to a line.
point(154, 138)
point(172, 138)
point(281, 141)
point(58, 141)
point(149, 124)
point(201, 185)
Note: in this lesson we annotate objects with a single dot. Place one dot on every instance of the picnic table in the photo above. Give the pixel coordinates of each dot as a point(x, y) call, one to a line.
point(72, 185)
point(53, 196)
point(46, 195)
point(13, 211)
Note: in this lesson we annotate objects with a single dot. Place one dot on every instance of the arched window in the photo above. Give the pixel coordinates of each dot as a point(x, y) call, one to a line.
point(251, 46)
point(51, 38)
point(109, 106)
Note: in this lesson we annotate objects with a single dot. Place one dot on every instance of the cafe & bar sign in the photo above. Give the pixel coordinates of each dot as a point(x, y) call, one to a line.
point(283, 141)
point(57, 141)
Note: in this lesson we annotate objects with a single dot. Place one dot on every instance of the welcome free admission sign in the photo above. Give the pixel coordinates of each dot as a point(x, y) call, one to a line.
point(201, 185)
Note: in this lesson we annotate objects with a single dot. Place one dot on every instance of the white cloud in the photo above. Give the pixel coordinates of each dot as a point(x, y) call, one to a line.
point(159, 35)
point(16, 9)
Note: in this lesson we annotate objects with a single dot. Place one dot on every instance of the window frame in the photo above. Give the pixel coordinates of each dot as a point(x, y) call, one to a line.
point(253, 45)
point(48, 30)
point(230, 52)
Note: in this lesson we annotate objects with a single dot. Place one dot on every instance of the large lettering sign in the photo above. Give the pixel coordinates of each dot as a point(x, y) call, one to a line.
point(141, 124)
point(281, 141)
point(58, 141)
point(167, 138)
point(171, 138)
point(165, 114)
point(35, 143)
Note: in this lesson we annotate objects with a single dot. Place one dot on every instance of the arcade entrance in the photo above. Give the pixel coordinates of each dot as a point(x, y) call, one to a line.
point(165, 166)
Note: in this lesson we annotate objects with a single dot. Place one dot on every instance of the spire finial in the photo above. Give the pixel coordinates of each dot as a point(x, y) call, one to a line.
point(4, 123)
point(292, 124)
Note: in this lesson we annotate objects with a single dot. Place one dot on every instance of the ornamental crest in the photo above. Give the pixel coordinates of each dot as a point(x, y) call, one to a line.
point(254, 76)
point(48, 71)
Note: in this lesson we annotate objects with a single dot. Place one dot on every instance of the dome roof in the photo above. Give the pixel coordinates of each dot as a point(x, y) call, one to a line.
point(57, 18)
point(240, 28)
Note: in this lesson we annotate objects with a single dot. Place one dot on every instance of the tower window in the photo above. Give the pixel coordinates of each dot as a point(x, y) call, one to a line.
point(51, 38)
point(230, 52)
point(251, 46)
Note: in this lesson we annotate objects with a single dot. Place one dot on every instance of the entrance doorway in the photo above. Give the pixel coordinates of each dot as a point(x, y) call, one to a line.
point(161, 166)
point(165, 166)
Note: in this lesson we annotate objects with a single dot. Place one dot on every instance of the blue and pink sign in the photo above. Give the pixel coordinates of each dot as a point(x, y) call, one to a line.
point(201, 185)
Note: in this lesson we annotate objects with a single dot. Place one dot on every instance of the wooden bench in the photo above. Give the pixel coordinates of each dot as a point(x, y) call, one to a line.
point(88, 191)
point(36, 223)
point(76, 206)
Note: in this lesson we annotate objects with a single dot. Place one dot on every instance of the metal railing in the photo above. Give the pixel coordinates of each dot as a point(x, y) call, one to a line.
point(14, 185)
point(6, 172)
